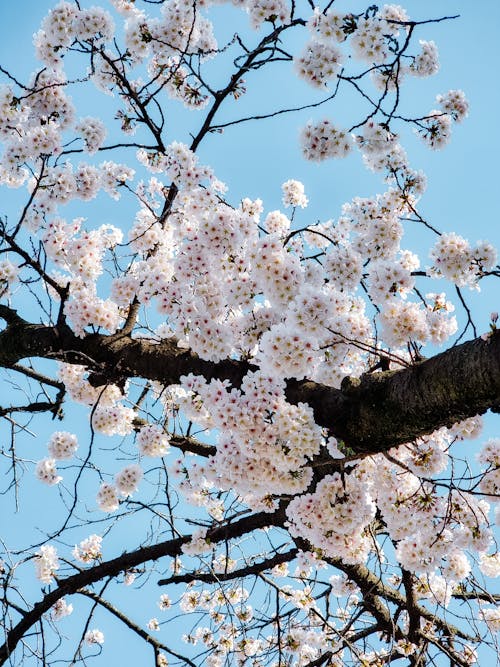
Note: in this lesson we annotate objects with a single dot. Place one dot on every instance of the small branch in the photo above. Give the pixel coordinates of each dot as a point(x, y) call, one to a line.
point(159, 646)
point(214, 577)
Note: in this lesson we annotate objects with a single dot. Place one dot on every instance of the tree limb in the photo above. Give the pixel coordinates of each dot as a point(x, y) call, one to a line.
point(370, 414)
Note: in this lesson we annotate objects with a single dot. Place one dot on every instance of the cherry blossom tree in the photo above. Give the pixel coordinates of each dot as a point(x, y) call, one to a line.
point(260, 413)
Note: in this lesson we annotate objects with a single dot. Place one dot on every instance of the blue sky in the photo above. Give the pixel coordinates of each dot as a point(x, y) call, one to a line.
point(256, 158)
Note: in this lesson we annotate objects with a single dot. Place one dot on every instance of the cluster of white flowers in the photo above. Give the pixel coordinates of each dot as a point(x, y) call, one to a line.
point(455, 259)
point(322, 140)
point(46, 472)
point(387, 278)
point(328, 26)
point(198, 544)
point(93, 133)
point(277, 222)
point(285, 353)
point(61, 609)
point(12, 113)
point(127, 480)
point(403, 321)
point(376, 139)
point(46, 563)
point(65, 24)
point(113, 176)
point(266, 442)
point(427, 61)
point(89, 549)
point(62, 445)
point(113, 419)
point(8, 275)
point(153, 441)
point(415, 514)
point(181, 28)
point(267, 10)
point(368, 36)
point(293, 195)
point(490, 564)
point(490, 481)
point(318, 63)
point(107, 497)
point(94, 636)
point(80, 390)
point(334, 517)
point(455, 104)
point(435, 129)
point(369, 42)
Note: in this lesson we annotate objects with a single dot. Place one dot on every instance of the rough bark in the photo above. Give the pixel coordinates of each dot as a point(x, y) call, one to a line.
point(370, 414)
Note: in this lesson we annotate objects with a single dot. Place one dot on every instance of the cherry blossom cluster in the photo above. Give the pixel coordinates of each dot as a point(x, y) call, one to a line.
point(293, 195)
point(432, 533)
point(107, 497)
point(152, 441)
point(490, 482)
point(265, 10)
point(322, 140)
point(181, 28)
point(93, 133)
point(46, 563)
point(80, 254)
point(318, 63)
point(266, 442)
point(126, 483)
point(369, 36)
point(489, 564)
point(8, 276)
point(402, 321)
point(113, 419)
point(94, 636)
point(89, 549)
point(456, 260)
point(335, 516)
point(426, 63)
point(61, 609)
point(65, 24)
point(455, 104)
point(75, 379)
point(62, 445)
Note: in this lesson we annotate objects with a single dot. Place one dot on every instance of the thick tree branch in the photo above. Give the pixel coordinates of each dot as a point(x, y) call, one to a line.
point(370, 414)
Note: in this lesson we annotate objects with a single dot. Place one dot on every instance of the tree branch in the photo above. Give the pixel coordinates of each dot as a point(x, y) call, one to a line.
point(370, 414)
point(214, 577)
